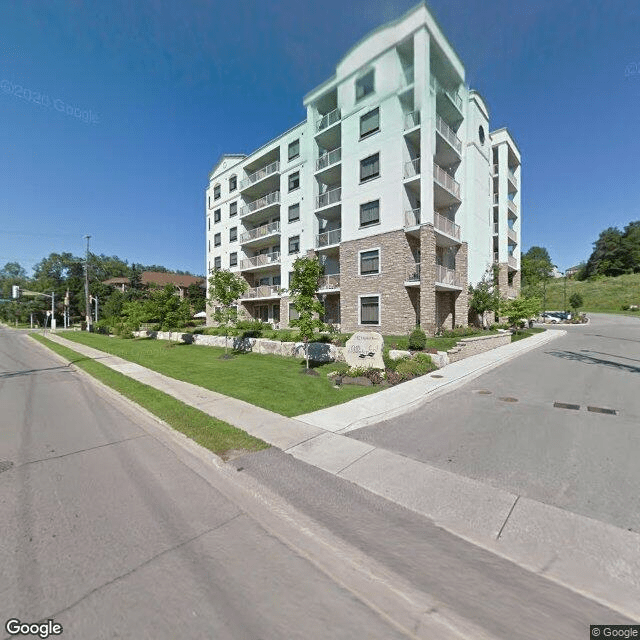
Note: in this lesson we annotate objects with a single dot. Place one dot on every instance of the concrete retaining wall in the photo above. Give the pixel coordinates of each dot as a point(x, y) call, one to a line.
point(477, 344)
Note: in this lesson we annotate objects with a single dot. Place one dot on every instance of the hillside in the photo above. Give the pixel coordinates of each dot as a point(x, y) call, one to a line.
point(606, 294)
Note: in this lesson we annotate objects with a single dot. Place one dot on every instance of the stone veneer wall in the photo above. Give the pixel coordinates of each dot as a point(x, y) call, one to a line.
point(397, 254)
point(461, 304)
point(477, 344)
point(427, 279)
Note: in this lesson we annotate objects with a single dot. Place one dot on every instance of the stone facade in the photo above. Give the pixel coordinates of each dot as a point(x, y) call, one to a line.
point(428, 321)
point(477, 344)
point(461, 303)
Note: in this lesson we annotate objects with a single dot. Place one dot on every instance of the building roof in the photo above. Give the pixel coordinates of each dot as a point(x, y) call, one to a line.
point(120, 280)
point(160, 278)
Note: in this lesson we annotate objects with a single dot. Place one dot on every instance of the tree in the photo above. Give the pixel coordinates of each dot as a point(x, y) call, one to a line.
point(609, 256)
point(197, 297)
point(536, 265)
point(302, 289)
point(576, 301)
point(518, 309)
point(484, 297)
point(224, 289)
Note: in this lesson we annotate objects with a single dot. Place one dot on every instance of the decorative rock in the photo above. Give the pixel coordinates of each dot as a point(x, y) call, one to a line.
point(361, 381)
point(318, 351)
point(398, 354)
point(364, 349)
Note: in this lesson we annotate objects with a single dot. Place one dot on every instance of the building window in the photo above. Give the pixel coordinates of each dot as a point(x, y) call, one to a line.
point(208, 223)
point(294, 244)
point(233, 259)
point(233, 234)
point(276, 281)
point(209, 202)
point(369, 262)
point(217, 240)
point(293, 314)
point(216, 192)
point(294, 212)
point(233, 209)
point(233, 183)
point(290, 278)
point(294, 181)
point(370, 167)
point(294, 149)
point(370, 310)
point(217, 263)
point(275, 312)
point(365, 85)
point(209, 241)
point(370, 123)
point(370, 213)
point(217, 215)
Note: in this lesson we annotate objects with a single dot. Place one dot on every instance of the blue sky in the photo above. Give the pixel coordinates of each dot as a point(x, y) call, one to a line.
point(169, 86)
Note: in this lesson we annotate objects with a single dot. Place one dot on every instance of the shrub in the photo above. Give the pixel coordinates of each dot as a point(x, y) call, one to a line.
point(625, 307)
point(417, 339)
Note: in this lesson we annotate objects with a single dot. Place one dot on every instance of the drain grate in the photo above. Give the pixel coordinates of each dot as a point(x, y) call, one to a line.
point(566, 405)
point(484, 392)
point(437, 375)
point(5, 465)
point(611, 412)
point(508, 399)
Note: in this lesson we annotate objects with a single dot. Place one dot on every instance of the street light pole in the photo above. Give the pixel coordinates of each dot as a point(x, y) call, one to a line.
point(86, 287)
point(565, 292)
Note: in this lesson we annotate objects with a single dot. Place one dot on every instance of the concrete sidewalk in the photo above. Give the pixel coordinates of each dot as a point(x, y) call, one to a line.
point(597, 559)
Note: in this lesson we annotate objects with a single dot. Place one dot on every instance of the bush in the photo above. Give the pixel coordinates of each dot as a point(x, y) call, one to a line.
point(417, 339)
point(625, 307)
point(102, 326)
point(461, 332)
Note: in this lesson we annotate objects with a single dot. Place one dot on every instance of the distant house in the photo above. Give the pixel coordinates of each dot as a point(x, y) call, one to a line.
point(571, 271)
point(159, 279)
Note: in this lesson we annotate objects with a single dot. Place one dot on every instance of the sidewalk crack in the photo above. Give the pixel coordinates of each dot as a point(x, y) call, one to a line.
point(513, 506)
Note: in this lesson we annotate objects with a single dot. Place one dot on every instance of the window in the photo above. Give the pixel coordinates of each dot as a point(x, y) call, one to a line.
point(294, 212)
point(233, 183)
point(364, 85)
point(217, 240)
point(370, 123)
point(370, 213)
point(294, 149)
point(209, 202)
point(209, 241)
point(233, 259)
point(370, 310)
point(208, 223)
point(294, 244)
point(294, 181)
point(217, 215)
point(276, 280)
point(290, 278)
point(369, 262)
point(370, 167)
point(275, 312)
point(233, 209)
point(216, 192)
point(233, 234)
point(217, 263)
point(293, 314)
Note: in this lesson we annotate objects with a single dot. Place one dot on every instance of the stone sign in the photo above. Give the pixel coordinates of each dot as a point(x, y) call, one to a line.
point(364, 349)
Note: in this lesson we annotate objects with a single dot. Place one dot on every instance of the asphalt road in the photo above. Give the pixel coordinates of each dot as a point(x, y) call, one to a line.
point(503, 429)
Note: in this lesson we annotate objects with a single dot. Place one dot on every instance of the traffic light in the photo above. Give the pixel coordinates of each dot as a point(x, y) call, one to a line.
point(15, 291)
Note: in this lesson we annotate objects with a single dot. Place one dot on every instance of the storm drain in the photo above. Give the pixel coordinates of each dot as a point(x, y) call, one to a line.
point(5, 465)
point(566, 405)
point(508, 399)
point(484, 392)
point(437, 375)
point(611, 412)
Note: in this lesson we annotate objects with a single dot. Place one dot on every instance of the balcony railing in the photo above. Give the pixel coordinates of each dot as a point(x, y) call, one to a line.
point(512, 206)
point(512, 177)
point(495, 227)
point(328, 238)
point(448, 134)
point(495, 170)
point(269, 199)
point(260, 260)
point(411, 120)
point(274, 167)
point(496, 257)
point(446, 181)
point(512, 262)
point(408, 74)
point(444, 275)
point(328, 197)
point(263, 291)
point(328, 119)
point(327, 159)
point(412, 168)
point(330, 281)
point(412, 273)
point(445, 225)
point(512, 235)
point(495, 198)
point(454, 97)
point(412, 217)
point(260, 232)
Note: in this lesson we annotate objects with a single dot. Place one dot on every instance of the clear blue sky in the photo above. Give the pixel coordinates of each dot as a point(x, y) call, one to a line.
point(175, 84)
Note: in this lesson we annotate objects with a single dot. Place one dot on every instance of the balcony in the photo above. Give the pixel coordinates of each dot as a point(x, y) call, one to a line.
point(412, 169)
point(495, 199)
point(447, 277)
point(496, 257)
point(328, 239)
point(328, 197)
point(512, 178)
point(448, 102)
point(412, 218)
point(512, 206)
point(444, 180)
point(448, 134)
point(264, 231)
point(408, 75)
point(329, 282)
point(411, 120)
point(412, 275)
point(328, 120)
point(495, 228)
point(261, 203)
point(512, 235)
point(261, 260)
point(270, 169)
point(328, 159)
point(494, 173)
point(263, 291)
point(446, 226)
point(512, 262)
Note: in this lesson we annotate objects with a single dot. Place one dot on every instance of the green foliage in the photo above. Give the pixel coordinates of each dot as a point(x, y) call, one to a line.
point(224, 289)
point(576, 301)
point(615, 252)
point(484, 296)
point(197, 297)
point(417, 339)
point(536, 265)
point(520, 308)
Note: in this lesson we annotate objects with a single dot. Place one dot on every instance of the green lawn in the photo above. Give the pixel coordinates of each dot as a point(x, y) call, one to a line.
point(214, 434)
point(271, 382)
point(525, 333)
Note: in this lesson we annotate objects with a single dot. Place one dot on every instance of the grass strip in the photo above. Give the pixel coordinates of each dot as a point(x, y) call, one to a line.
point(219, 437)
point(520, 334)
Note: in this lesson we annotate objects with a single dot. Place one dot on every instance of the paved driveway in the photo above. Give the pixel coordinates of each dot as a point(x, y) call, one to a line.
point(502, 428)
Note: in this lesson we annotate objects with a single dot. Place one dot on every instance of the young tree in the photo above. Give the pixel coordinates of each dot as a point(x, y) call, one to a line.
point(536, 266)
point(196, 295)
point(576, 301)
point(224, 289)
point(518, 309)
point(302, 289)
point(484, 297)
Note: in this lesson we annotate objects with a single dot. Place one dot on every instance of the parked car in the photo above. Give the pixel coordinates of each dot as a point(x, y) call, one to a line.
point(550, 316)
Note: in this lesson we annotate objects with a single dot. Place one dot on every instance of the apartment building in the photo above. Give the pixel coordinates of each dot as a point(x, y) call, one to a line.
point(394, 181)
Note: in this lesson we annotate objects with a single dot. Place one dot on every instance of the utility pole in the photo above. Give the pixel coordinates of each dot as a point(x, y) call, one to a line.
point(565, 292)
point(86, 287)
